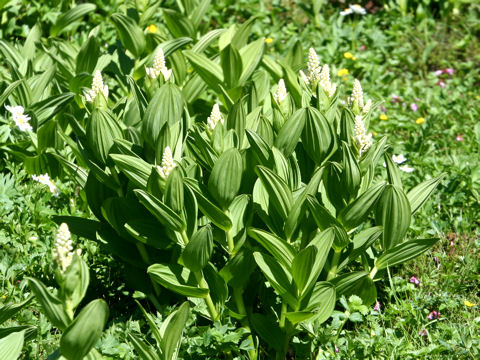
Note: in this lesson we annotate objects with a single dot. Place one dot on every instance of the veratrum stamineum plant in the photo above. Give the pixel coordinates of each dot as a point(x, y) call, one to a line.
point(264, 204)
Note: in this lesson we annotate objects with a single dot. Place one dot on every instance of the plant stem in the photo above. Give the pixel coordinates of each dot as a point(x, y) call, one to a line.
point(373, 272)
point(185, 237)
point(238, 296)
point(333, 270)
point(282, 354)
point(208, 300)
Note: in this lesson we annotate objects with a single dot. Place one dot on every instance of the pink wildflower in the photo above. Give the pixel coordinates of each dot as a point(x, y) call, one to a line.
point(449, 71)
point(414, 107)
point(423, 332)
point(414, 280)
point(459, 138)
point(383, 108)
point(363, 47)
point(433, 315)
point(438, 72)
point(377, 306)
point(336, 348)
point(442, 84)
point(395, 99)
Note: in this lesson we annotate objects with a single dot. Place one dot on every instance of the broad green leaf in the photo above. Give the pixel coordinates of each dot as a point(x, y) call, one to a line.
point(198, 251)
point(420, 193)
point(321, 301)
point(130, 34)
point(208, 70)
point(7, 311)
point(267, 328)
point(279, 194)
point(347, 284)
point(320, 214)
point(358, 210)
point(232, 66)
point(317, 136)
point(323, 241)
point(277, 247)
point(225, 180)
point(278, 277)
point(52, 306)
point(71, 16)
point(174, 192)
point(251, 57)
point(302, 266)
point(162, 212)
point(135, 168)
point(145, 352)
point(88, 56)
point(171, 330)
point(84, 332)
point(178, 24)
point(393, 212)
point(238, 269)
point(75, 281)
point(11, 346)
point(393, 172)
point(176, 278)
point(403, 252)
point(299, 316)
point(290, 132)
point(210, 210)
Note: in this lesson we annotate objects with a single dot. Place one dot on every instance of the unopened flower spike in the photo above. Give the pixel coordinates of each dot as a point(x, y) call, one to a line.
point(304, 77)
point(357, 94)
point(167, 163)
point(159, 67)
point(21, 119)
point(97, 88)
point(362, 139)
point(214, 118)
point(281, 93)
point(63, 252)
point(45, 180)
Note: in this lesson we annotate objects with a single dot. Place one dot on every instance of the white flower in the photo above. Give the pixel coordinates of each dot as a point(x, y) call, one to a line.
point(362, 139)
point(214, 118)
point(159, 67)
point(347, 11)
point(45, 180)
point(21, 119)
point(325, 82)
point(406, 168)
point(281, 93)
point(357, 94)
point(399, 159)
point(97, 88)
point(357, 9)
point(63, 251)
point(313, 66)
point(167, 163)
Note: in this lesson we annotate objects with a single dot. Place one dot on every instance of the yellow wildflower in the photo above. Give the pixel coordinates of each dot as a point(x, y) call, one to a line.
point(470, 93)
point(374, 133)
point(349, 55)
point(268, 40)
point(420, 120)
point(477, 97)
point(468, 303)
point(342, 72)
point(152, 28)
point(383, 117)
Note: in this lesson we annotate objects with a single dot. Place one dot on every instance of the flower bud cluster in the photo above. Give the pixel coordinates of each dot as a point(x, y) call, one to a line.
point(167, 163)
point(63, 252)
point(362, 139)
point(214, 118)
point(45, 180)
point(281, 93)
point(97, 88)
point(159, 67)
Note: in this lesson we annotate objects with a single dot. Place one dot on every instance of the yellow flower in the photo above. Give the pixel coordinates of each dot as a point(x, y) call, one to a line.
point(420, 121)
point(374, 133)
point(349, 55)
point(383, 117)
point(4, 297)
point(345, 78)
point(470, 93)
point(468, 303)
point(477, 97)
point(342, 72)
point(268, 40)
point(152, 28)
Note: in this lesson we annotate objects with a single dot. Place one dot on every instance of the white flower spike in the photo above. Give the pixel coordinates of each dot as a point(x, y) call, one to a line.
point(362, 139)
point(325, 82)
point(214, 118)
point(159, 67)
point(97, 88)
point(21, 119)
point(313, 66)
point(45, 180)
point(167, 163)
point(281, 93)
point(357, 94)
point(63, 252)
